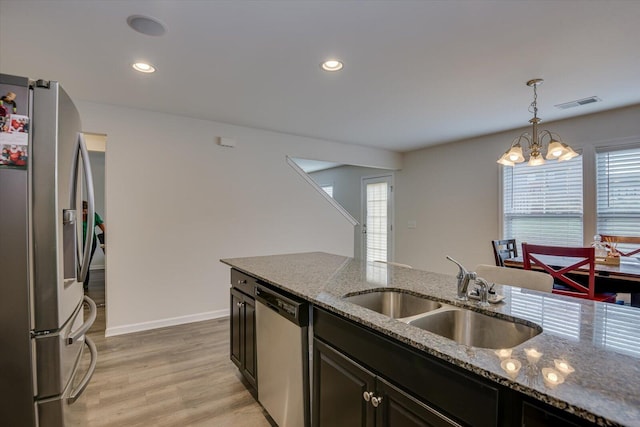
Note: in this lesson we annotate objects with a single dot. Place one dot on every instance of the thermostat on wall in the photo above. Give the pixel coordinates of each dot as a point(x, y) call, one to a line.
point(226, 142)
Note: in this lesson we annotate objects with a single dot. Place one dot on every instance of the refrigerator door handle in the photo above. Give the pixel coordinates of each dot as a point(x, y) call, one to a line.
point(75, 394)
point(81, 150)
point(93, 310)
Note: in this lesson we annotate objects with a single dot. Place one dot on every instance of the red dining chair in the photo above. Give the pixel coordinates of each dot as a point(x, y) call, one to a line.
point(585, 257)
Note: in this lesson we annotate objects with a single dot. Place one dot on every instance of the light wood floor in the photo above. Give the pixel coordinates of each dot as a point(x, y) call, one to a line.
point(177, 376)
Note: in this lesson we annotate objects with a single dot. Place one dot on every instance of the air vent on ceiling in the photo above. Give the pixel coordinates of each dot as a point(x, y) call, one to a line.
point(579, 102)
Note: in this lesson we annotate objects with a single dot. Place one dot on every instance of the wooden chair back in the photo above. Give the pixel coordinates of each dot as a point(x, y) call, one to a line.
point(584, 257)
point(536, 280)
point(503, 249)
point(631, 240)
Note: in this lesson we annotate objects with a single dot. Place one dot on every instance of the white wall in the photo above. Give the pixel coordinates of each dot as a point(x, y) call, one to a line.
point(347, 187)
point(452, 191)
point(178, 203)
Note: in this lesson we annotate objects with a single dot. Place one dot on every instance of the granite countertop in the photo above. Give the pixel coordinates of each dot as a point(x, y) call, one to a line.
point(600, 341)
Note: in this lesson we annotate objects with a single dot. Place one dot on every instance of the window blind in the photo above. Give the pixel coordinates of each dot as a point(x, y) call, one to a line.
point(377, 221)
point(328, 189)
point(618, 191)
point(543, 204)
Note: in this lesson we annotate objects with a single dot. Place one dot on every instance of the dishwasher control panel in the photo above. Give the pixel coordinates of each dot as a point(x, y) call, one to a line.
point(289, 308)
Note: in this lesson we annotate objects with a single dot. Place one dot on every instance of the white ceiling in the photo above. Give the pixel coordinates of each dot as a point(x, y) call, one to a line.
point(416, 72)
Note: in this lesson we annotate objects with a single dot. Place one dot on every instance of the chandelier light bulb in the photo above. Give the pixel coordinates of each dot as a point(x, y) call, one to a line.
point(536, 160)
point(570, 154)
point(555, 150)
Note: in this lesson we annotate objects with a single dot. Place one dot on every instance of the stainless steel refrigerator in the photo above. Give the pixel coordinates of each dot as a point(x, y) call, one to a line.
point(44, 172)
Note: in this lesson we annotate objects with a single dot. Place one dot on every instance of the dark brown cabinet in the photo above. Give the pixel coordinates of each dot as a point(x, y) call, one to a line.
point(536, 416)
point(243, 328)
point(400, 409)
point(348, 395)
point(363, 378)
point(338, 387)
point(413, 383)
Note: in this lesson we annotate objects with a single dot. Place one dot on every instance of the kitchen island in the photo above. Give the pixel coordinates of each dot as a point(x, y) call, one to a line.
point(599, 341)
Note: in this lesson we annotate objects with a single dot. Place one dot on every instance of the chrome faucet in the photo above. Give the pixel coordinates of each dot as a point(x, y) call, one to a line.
point(463, 277)
point(483, 292)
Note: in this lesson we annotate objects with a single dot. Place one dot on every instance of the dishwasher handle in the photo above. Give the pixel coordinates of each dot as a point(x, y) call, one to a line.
point(294, 310)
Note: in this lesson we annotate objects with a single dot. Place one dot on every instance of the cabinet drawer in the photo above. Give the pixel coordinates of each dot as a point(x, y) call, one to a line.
point(243, 282)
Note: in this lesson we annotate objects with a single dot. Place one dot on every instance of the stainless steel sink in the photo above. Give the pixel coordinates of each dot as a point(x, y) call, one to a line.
point(476, 329)
point(393, 303)
point(458, 324)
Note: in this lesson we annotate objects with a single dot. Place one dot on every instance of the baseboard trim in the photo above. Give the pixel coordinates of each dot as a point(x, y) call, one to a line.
point(163, 323)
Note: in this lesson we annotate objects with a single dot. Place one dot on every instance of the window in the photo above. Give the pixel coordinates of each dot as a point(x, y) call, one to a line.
point(618, 191)
point(328, 189)
point(543, 204)
point(377, 220)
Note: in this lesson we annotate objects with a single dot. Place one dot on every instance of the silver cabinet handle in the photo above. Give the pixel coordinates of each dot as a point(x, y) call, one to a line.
point(242, 281)
point(75, 394)
point(239, 304)
point(93, 310)
point(375, 401)
point(367, 395)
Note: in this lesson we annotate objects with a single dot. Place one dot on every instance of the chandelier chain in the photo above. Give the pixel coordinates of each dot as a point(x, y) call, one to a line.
point(533, 108)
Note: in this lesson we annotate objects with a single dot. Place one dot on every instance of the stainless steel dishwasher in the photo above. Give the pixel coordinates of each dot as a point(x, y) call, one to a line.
point(283, 357)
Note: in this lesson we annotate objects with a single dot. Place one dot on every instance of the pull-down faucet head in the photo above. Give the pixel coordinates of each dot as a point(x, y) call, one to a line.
point(463, 277)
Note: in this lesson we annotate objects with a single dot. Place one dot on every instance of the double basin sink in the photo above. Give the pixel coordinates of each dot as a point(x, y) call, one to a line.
point(459, 324)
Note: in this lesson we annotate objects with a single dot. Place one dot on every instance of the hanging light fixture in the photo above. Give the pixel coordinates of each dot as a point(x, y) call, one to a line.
point(535, 142)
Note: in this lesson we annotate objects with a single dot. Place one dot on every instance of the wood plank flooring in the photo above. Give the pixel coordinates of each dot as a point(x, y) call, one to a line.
point(176, 376)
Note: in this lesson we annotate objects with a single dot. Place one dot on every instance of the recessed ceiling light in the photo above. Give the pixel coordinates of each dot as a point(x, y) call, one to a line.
point(144, 67)
point(332, 65)
point(146, 25)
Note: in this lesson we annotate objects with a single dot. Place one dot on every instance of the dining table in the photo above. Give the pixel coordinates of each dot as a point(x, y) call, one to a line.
point(622, 278)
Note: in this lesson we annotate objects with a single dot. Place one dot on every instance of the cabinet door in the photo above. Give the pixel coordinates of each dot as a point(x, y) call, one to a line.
point(338, 387)
point(399, 409)
point(249, 340)
point(534, 416)
point(236, 320)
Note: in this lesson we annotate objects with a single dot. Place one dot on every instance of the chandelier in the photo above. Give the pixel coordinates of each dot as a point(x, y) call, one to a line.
point(535, 143)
